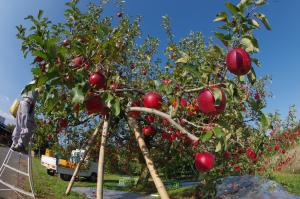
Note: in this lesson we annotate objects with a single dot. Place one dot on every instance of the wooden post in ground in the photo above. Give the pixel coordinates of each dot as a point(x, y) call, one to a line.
point(157, 181)
point(87, 150)
point(100, 177)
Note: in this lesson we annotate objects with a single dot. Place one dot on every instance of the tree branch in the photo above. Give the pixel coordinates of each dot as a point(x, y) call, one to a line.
point(166, 116)
point(123, 90)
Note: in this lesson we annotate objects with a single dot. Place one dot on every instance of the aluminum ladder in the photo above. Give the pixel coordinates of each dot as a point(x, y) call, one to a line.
point(20, 192)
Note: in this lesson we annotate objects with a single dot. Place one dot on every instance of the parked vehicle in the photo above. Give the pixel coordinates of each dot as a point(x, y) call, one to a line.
point(65, 168)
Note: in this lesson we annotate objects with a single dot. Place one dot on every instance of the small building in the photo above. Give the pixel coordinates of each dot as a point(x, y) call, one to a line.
point(5, 135)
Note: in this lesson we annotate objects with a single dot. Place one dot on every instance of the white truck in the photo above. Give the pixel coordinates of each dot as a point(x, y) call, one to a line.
point(65, 168)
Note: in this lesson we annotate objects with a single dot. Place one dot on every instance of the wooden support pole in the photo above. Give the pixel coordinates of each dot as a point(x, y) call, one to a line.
point(100, 177)
point(87, 150)
point(157, 181)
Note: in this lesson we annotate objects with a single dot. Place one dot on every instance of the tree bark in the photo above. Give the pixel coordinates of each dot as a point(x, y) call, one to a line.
point(157, 181)
point(100, 177)
point(87, 150)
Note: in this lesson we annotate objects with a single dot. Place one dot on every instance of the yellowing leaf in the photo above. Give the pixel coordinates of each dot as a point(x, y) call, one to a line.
point(218, 147)
point(183, 59)
point(249, 45)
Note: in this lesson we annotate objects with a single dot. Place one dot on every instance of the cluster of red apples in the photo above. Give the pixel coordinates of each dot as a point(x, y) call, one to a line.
point(237, 61)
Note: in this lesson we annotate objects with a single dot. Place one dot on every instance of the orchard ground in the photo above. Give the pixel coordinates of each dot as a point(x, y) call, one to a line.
point(48, 187)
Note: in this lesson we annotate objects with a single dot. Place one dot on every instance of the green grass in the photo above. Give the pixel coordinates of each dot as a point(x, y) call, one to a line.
point(291, 182)
point(48, 187)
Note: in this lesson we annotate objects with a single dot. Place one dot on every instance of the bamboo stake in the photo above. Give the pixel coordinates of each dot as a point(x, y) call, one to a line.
point(87, 150)
point(157, 181)
point(100, 175)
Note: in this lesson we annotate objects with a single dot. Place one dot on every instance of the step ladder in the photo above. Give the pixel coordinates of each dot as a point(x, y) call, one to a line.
point(5, 167)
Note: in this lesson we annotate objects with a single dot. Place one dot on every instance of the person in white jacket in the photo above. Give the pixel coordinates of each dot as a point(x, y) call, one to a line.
point(24, 121)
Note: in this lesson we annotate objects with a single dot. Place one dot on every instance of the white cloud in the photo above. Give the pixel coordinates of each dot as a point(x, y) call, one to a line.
point(4, 100)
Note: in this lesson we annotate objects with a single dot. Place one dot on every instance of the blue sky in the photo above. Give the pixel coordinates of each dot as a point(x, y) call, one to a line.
point(279, 48)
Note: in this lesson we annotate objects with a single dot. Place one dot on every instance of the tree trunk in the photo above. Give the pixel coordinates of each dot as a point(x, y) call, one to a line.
point(87, 150)
point(157, 181)
point(100, 177)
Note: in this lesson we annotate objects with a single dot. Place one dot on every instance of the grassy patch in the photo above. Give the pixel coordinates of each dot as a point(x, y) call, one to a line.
point(48, 187)
point(290, 181)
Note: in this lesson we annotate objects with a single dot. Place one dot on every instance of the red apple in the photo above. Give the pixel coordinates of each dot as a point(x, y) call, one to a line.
point(257, 96)
point(238, 61)
point(114, 85)
point(39, 59)
point(97, 80)
point(195, 143)
point(152, 100)
point(165, 135)
point(204, 161)
point(94, 104)
point(165, 81)
point(50, 136)
point(77, 61)
point(132, 66)
point(178, 134)
point(196, 108)
point(119, 14)
point(77, 108)
point(206, 101)
point(173, 55)
point(148, 130)
point(150, 119)
point(165, 122)
point(135, 114)
point(43, 67)
point(144, 71)
point(66, 42)
point(172, 137)
point(62, 123)
point(276, 147)
point(183, 102)
point(226, 155)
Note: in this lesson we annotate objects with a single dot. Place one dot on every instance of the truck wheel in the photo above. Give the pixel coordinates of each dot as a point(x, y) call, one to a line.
point(93, 177)
point(65, 177)
point(50, 172)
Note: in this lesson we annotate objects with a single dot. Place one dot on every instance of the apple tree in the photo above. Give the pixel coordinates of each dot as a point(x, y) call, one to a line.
point(200, 110)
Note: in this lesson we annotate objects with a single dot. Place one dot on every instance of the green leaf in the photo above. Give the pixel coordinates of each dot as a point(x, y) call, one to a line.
point(255, 61)
point(243, 3)
point(217, 93)
point(207, 136)
point(116, 106)
point(40, 14)
point(260, 2)
point(254, 23)
point(251, 76)
point(264, 120)
point(263, 19)
point(232, 8)
point(249, 44)
point(218, 147)
point(108, 99)
point(78, 96)
point(218, 132)
point(225, 39)
point(222, 16)
point(184, 58)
